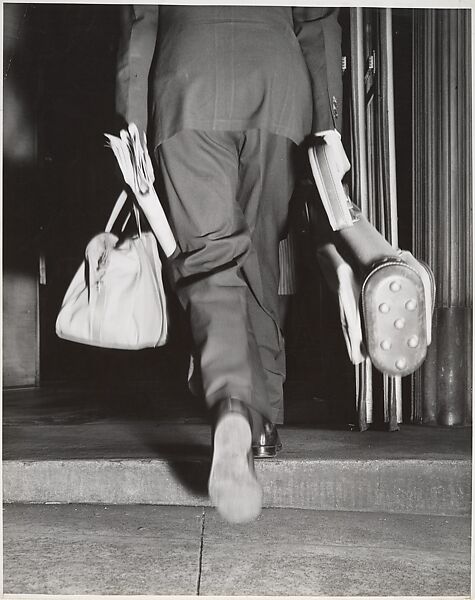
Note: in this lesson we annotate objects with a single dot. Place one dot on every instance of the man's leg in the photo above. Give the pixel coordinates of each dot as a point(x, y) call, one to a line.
point(267, 183)
point(200, 175)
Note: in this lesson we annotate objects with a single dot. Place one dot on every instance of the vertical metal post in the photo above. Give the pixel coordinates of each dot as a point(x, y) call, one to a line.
point(374, 166)
point(363, 372)
point(392, 385)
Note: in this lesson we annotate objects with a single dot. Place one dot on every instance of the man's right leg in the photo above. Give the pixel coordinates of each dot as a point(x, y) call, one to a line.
point(200, 176)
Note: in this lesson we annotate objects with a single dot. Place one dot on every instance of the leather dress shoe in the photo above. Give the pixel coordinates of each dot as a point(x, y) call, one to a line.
point(268, 443)
point(233, 486)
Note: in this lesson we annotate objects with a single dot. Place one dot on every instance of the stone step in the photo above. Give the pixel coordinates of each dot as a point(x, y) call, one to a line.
point(416, 470)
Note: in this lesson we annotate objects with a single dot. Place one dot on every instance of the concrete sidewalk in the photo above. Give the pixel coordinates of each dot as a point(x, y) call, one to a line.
point(83, 549)
point(390, 511)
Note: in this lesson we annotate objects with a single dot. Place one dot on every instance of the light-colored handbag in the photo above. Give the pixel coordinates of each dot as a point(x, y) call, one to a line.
point(116, 299)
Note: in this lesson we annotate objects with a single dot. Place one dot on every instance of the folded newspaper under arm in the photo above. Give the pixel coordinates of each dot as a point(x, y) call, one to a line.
point(137, 169)
point(329, 163)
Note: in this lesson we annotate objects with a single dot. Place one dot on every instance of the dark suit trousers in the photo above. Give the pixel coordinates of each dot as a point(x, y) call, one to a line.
point(228, 194)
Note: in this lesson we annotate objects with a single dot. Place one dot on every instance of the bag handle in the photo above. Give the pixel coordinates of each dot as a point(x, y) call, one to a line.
point(118, 206)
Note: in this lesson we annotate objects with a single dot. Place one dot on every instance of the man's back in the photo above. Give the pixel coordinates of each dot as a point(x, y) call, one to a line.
point(275, 68)
point(229, 68)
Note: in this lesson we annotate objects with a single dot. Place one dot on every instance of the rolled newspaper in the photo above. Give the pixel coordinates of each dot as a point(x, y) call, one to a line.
point(329, 163)
point(136, 166)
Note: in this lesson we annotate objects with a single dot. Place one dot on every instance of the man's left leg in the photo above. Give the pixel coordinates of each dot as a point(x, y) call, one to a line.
point(267, 173)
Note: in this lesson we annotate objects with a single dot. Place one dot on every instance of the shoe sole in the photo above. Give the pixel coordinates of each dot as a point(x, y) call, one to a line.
point(233, 486)
point(394, 318)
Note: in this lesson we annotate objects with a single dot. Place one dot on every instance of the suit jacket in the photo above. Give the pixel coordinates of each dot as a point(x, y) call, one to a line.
point(229, 68)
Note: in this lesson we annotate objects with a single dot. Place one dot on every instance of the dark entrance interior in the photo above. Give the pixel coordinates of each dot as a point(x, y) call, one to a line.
point(62, 64)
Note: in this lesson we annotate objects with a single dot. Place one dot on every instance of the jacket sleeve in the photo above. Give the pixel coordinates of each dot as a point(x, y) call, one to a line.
point(138, 36)
point(319, 35)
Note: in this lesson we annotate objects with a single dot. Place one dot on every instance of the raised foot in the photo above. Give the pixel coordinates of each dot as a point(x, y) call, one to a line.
point(233, 486)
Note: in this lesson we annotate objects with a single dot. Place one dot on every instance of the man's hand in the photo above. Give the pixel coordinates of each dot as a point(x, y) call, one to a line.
point(137, 169)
